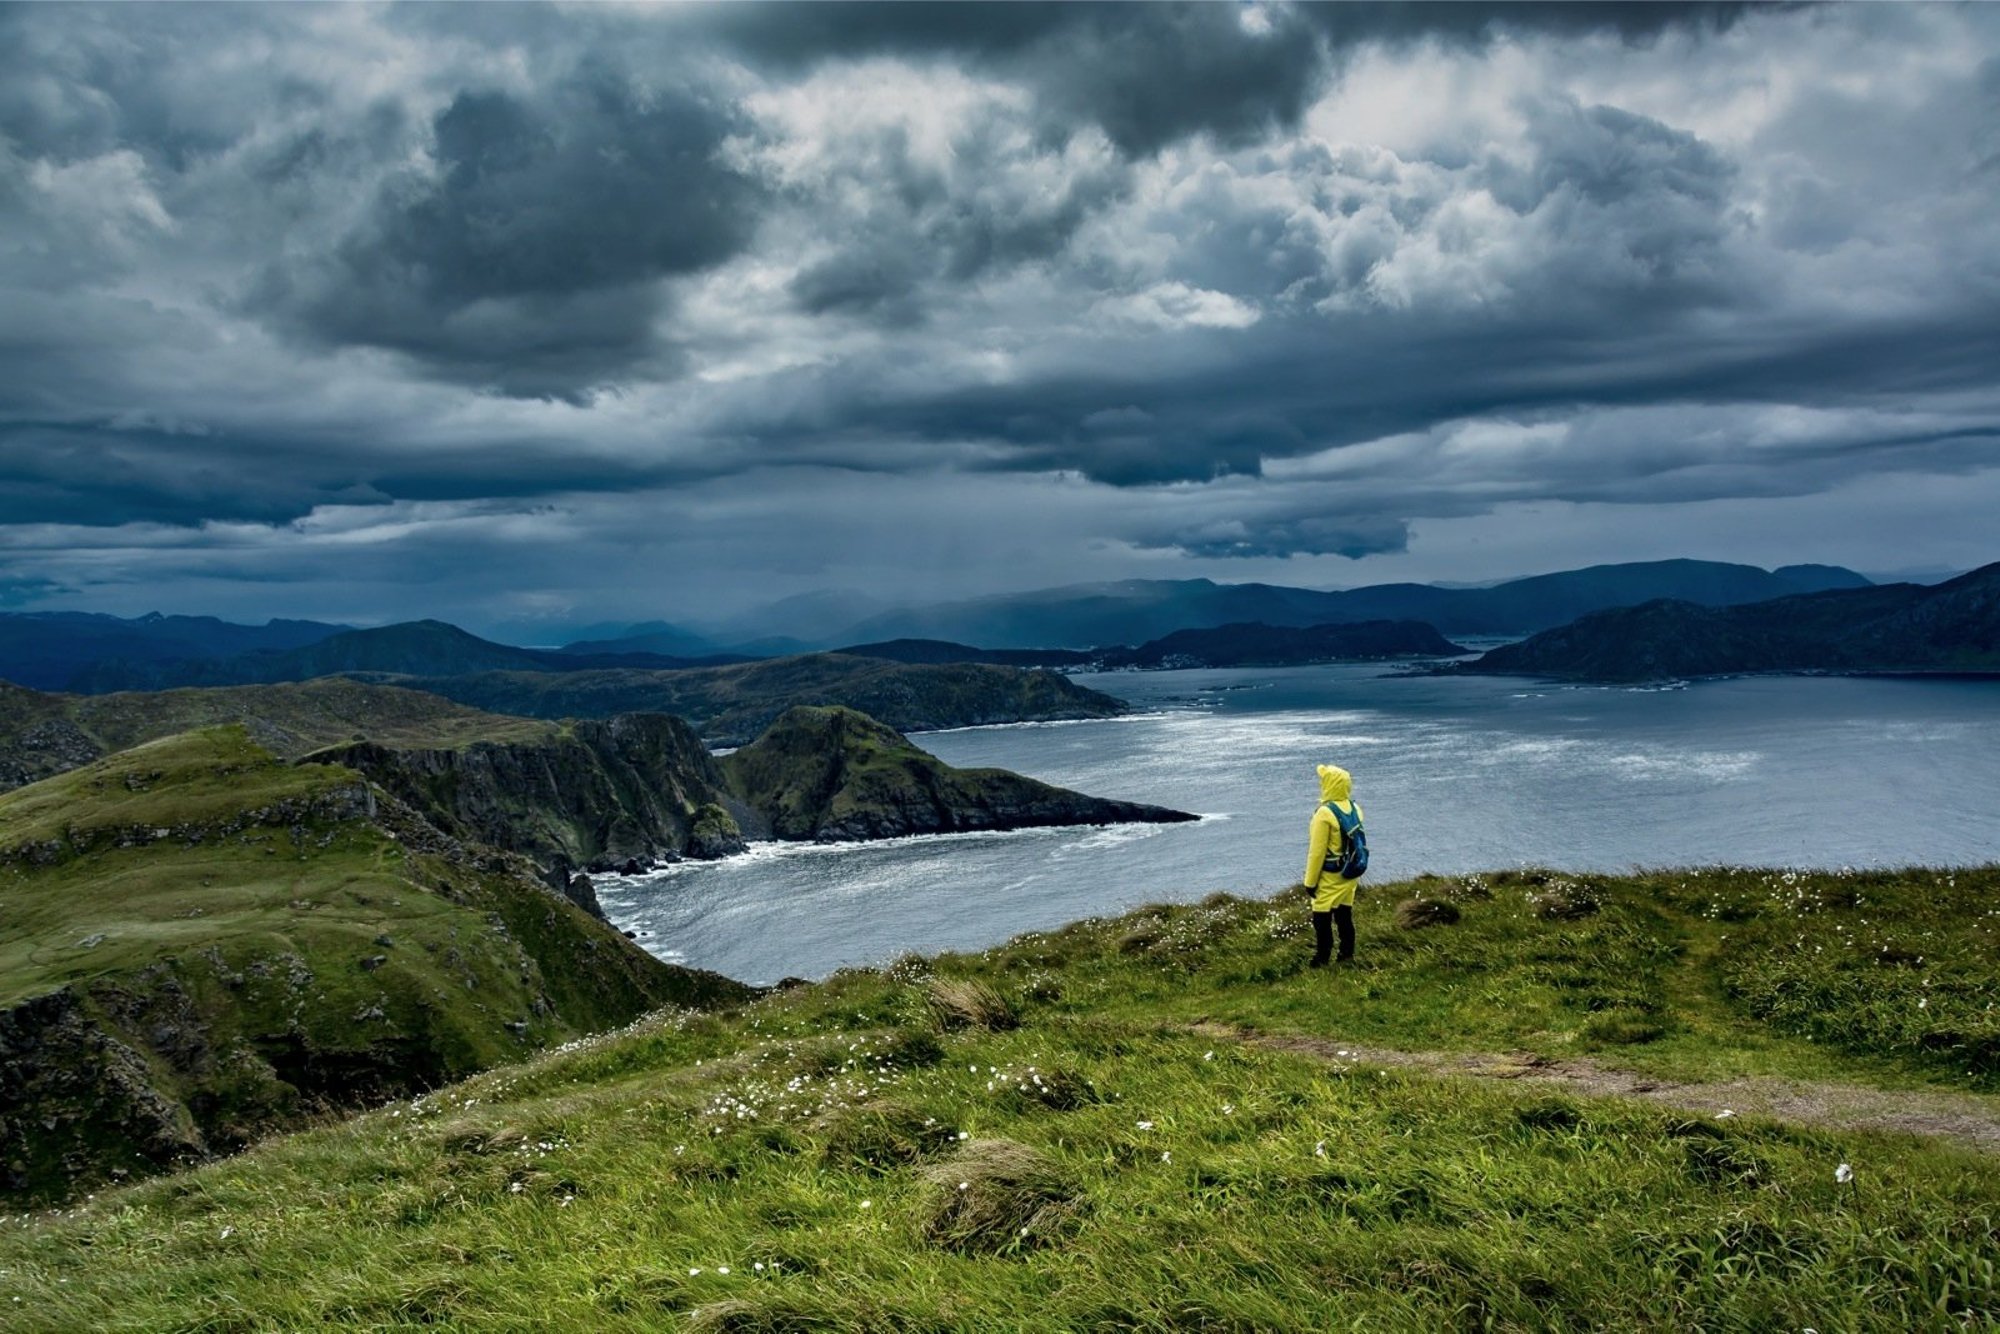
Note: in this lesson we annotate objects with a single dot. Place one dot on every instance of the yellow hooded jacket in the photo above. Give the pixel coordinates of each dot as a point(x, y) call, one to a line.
point(1330, 890)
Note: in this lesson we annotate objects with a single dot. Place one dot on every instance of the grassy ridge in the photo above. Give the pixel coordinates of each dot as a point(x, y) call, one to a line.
point(45, 734)
point(203, 944)
point(1064, 1133)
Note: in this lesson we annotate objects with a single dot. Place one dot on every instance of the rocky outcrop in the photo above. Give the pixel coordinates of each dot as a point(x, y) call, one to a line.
point(79, 1105)
point(612, 795)
point(832, 775)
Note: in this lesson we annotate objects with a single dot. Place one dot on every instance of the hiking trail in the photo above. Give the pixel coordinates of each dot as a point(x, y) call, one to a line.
point(1965, 1118)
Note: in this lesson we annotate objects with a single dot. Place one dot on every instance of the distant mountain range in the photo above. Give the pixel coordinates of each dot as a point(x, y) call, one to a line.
point(49, 649)
point(1246, 645)
point(729, 705)
point(421, 648)
point(96, 654)
point(1137, 611)
point(1951, 627)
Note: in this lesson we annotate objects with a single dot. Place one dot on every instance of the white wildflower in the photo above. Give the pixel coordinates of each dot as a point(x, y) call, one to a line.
point(868, 1204)
point(1843, 1174)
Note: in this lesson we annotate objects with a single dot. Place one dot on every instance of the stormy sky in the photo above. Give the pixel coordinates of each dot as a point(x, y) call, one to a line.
point(528, 317)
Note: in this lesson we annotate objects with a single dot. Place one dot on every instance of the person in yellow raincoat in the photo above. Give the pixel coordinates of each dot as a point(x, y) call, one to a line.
point(1333, 894)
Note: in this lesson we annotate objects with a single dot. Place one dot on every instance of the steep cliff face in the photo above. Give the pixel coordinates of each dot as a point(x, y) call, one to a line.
point(598, 794)
point(204, 944)
point(831, 774)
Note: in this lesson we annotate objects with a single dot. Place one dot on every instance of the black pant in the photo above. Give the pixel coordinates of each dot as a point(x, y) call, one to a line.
point(1323, 924)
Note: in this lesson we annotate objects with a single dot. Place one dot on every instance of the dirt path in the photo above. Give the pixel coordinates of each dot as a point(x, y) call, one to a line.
point(1967, 1118)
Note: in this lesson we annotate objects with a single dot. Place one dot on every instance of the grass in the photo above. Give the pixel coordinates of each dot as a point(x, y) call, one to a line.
point(289, 720)
point(202, 944)
point(837, 1157)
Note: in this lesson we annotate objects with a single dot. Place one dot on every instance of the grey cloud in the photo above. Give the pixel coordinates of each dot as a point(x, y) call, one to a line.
point(531, 257)
point(1353, 536)
point(1150, 75)
point(926, 228)
point(602, 201)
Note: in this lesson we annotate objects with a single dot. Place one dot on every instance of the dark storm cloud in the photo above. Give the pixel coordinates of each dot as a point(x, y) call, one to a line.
point(1352, 536)
point(1150, 75)
point(1270, 280)
point(529, 255)
point(928, 228)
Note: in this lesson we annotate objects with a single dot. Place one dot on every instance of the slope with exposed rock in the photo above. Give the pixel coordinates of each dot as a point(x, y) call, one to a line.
point(204, 943)
point(830, 775)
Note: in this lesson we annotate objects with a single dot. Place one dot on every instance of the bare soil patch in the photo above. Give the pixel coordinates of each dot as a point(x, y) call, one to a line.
point(1965, 1118)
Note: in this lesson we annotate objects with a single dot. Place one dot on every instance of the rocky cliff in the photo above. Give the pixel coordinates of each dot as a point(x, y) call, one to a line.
point(598, 795)
point(832, 774)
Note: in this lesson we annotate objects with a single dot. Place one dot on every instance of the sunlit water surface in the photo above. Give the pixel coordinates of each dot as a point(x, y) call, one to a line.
point(1454, 775)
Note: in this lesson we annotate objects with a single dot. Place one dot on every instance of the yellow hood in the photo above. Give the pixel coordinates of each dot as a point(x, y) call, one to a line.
point(1335, 783)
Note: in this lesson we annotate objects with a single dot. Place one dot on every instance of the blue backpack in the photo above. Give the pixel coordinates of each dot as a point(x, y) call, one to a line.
point(1353, 861)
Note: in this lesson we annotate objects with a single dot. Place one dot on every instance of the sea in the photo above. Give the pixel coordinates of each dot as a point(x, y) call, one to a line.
point(1454, 774)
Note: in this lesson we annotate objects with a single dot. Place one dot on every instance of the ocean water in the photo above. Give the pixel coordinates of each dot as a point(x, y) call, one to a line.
point(1453, 774)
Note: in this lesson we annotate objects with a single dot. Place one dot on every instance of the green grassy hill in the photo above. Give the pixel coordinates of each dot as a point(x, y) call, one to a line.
point(200, 943)
point(594, 793)
point(1166, 1122)
point(45, 734)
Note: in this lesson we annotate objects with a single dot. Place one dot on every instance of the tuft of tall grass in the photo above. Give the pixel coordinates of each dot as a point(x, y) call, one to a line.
point(998, 1195)
point(880, 1135)
point(958, 1002)
point(1415, 914)
point(1564, 902)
